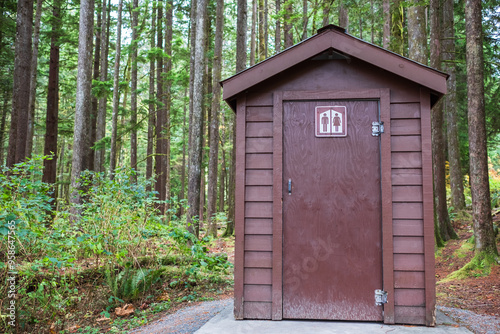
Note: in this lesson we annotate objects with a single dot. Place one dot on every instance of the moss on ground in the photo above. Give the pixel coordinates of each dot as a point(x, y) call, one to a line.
point(480, 265)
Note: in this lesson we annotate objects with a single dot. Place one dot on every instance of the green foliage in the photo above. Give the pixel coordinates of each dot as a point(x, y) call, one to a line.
point(480, 265)
point(129, 283)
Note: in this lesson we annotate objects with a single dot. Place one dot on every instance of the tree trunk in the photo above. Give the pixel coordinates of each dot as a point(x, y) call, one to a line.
point(277, 32)
point(252, 33)
point(241, 36)
point(95, 102)
point(83, 100)
point(343, 15)
point(326, 12)
point(417, 37)
point(386, 39)
point(304, 19)
point(151, 104)
point(437, 127)
point(21, 86)
point(160, 111)
point(133, 93)
point(168, 96)
point(99, 156)
point(448, 45)
point(397, 27)
point(5, 106)
point(478, 157)
point(214, 125)
point(183, 168)
point(195, 127)
point(116, 94)
point(262, 38)
point(288, 26)
point(52, 116)
point(34, 72)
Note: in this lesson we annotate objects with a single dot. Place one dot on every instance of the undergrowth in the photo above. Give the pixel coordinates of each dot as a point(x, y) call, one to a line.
point(121, 250)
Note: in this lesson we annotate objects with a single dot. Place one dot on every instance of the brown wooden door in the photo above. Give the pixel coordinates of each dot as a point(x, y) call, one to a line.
point(332, 233)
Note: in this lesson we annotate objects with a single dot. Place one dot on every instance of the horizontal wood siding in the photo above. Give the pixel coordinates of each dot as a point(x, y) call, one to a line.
point(257, 289)
point(408, 214)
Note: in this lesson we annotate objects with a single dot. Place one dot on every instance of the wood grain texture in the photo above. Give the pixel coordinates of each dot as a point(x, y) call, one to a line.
point(259, 177)
point(409, 262)
point(259, 161)
point(335, 205)
point(408, 227)
point(405, 127)
point(259, 210)
point(406, 176)
point(407, 211)
point(406, 144)
point(257, 293)
point(410, 315)
point(259, 145)
point(387, 226)
point(239, 209)
point(258, 276)
point(408, 245)
point(407, 160)
point(258, 226)
point(259, 129)
point(407, 193)
point(258, 194)
point(258, 242)
point(277, 290)
point(258, 259)
point(259, 114)
point(409, 297)
point(257, 310)
point(405, 110)
point(409, 279)
point(428, 209)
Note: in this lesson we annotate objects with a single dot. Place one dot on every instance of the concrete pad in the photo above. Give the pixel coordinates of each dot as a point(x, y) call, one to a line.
point(224, 323)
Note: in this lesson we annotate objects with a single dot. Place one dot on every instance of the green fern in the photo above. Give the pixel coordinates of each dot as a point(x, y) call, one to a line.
point(129, 283)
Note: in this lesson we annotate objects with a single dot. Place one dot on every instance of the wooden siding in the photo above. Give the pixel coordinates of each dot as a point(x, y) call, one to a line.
point(408, 214)
point(258, 237)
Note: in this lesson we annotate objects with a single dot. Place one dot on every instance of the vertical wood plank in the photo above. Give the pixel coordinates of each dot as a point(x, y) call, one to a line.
point(239, 202)
point(277, 291)
point(387, 239)
point(428, 208)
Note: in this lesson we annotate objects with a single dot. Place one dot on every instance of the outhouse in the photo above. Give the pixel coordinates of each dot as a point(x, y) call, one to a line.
point(334, 202)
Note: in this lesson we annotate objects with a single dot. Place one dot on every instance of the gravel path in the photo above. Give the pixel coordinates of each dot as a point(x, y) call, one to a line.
point(479, 324)
point(185, 321)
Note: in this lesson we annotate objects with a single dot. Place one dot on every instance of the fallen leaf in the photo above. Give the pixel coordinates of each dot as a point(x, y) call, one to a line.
point(73, 328)
point(52, 328)
point(124, 311)
point(103, 319)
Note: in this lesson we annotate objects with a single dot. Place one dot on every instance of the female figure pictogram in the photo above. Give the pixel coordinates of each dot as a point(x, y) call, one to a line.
point(336, 122)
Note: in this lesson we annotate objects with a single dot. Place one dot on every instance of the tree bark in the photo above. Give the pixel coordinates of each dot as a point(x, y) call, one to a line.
point(52, 115)
point(5, 106)
point(437, 130)
point(277, 32)
point(386, 37)
point(116, 94)
point(21, 85)
point(241, 36)
point(288, 26)
point(195, 127)
point(168, 96)
point(133, 88)
point(99, 156)
point(160, 110)
point(304, 19)
point(253, 43)
point(417, 37)
point(262, 38)
point(34, 72)
point(183, 168)
point(213, 162)
point(448, 45)
point(327, 5)
point(397, 27)
point(151, 104)
point(343, 15)
point(83, 100)
point(478, 157)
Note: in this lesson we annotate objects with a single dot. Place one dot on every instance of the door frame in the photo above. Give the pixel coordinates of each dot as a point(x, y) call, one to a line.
point(381, 95)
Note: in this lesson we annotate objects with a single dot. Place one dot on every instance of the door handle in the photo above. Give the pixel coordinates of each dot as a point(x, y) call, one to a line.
point(289, 186)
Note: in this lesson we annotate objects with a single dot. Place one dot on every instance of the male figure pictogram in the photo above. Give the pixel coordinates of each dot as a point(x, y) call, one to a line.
point(324, 121)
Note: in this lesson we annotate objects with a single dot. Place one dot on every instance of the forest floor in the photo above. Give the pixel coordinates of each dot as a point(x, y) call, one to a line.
point(479, 294)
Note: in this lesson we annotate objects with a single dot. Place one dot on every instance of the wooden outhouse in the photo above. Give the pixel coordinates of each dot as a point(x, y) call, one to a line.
point(334, 202)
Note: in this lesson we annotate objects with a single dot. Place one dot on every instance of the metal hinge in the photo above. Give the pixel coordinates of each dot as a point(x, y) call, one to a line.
point(380, 297)
point(377, 128)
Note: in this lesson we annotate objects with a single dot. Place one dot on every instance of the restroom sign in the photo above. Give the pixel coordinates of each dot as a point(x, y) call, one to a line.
point(331, 121)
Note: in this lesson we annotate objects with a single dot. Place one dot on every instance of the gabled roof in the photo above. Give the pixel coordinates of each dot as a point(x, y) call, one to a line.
point(335, 38)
